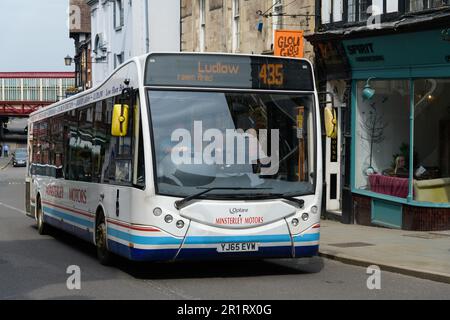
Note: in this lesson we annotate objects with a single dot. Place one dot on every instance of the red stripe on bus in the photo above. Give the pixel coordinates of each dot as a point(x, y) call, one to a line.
point(69, 209)
point(132, 227)
point(128, 226)
point(317, 226)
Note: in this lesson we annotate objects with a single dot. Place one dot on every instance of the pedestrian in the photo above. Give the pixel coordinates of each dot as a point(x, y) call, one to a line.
point(6, 150)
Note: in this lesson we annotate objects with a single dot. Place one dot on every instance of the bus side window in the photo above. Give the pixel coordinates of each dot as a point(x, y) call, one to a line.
point(139, 163)
point(118, 158)
point(108, 162)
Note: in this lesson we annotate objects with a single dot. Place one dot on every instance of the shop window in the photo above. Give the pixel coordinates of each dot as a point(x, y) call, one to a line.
point(383, 137)
point(432, 140)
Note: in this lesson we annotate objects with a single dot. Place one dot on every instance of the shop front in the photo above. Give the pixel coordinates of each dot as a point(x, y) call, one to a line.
point(400, 127)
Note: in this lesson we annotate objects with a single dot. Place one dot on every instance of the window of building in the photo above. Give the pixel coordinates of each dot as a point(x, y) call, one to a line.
point(383, 138)
point(363, 9)
point(278, 14)
point(356, 10)
point(202, 26)
point(326, 11)
point(118, 59)
point(395, 155)
point(419, 5)
point(118, 14)
point(236, 26)
point(431, 140)
point(338, 10)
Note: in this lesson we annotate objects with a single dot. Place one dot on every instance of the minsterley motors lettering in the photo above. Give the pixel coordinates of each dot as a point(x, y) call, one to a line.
point(237, 221)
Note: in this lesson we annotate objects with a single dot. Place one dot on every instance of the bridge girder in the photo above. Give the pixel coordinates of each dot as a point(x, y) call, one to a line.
point(21, 109)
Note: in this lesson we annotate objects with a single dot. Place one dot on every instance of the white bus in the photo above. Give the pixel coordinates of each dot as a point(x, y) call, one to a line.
point(143, 166)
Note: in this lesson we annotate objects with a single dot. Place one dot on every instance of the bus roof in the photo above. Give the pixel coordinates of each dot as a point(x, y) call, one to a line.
point(76, 101)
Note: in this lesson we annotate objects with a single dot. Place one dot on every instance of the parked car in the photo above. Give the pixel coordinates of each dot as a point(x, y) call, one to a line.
point(20, 157)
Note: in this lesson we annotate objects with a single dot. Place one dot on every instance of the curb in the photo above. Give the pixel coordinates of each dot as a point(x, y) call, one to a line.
point(422, 274)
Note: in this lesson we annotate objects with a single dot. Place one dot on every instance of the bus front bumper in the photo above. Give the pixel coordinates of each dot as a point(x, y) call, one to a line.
point(209, 243)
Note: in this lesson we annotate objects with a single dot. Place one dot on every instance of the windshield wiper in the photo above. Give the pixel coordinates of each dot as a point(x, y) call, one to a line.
point(299, 202)
point(180, 204)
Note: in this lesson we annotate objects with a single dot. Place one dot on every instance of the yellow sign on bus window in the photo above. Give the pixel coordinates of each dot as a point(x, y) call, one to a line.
point(289, 43)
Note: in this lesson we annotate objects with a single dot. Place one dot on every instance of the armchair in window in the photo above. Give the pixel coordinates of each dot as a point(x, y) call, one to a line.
point(436, 190)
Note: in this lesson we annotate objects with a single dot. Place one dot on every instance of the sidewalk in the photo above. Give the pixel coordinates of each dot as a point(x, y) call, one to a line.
point(420, 254)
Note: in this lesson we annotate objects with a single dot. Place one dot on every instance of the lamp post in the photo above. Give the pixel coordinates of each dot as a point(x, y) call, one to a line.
point(68, 60)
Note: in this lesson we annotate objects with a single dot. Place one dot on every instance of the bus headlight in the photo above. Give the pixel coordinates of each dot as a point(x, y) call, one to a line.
point(168, 218)
point(314, 209)
point(295, 222)
point(305, 216)
point(180, 224)
point(157, 212)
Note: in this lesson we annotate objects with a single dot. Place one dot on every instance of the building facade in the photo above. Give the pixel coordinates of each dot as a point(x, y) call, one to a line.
point(387, 65)
point(243, 26)
point(80, 32)
point(123, 29)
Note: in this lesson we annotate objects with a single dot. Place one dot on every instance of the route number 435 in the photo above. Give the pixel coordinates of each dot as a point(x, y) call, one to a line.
point(272, 74)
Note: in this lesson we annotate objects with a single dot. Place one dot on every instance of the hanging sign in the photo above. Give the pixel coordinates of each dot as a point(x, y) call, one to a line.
point(289, 43)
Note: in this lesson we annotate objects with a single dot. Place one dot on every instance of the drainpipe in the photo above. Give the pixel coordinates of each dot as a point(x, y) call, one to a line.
point(147, 31)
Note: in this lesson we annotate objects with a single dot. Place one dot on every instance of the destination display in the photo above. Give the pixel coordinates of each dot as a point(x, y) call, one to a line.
point(228, 71)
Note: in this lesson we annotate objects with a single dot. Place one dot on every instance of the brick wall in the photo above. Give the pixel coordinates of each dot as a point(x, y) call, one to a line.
point(426, 219)
point(219, 25)
point(414, 218)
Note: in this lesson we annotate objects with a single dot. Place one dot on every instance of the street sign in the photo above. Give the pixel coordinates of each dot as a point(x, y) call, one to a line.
point(289, 43)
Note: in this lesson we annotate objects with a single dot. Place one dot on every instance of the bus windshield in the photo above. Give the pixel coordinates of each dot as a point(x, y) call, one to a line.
point(242, 144)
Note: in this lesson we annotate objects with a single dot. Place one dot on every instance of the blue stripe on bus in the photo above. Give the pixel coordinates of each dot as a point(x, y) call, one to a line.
point(141, 254)
point(72, 229)
point(143, 240)
point(68, 217)
point(222, 239)
point(307, 237)
point(192, 240)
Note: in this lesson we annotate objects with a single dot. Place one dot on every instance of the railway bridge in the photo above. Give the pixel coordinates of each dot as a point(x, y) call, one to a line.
point(22, 93)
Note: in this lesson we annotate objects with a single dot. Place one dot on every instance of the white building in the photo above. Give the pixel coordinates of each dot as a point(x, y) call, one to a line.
point(122, 29)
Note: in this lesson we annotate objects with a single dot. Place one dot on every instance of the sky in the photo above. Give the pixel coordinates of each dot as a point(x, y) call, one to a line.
point(34, 35)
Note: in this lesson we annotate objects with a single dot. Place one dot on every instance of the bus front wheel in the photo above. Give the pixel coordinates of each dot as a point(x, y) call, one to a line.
point(101, 239)
point(41, 225)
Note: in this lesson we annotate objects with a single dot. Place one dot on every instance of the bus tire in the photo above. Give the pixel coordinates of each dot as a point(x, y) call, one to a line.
point(42, 227)
point(101, 241)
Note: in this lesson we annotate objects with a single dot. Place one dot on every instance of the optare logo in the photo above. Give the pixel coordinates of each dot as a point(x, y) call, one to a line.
point(238, 210)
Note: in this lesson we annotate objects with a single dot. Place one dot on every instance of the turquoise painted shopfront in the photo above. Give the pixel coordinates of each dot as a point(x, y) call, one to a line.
point(401, 126)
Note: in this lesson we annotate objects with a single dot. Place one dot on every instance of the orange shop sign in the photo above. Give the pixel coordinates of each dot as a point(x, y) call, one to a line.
point(289, 43)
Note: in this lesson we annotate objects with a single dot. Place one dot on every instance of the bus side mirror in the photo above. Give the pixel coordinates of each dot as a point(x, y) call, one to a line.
point(330, 120)
point(119, 126)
